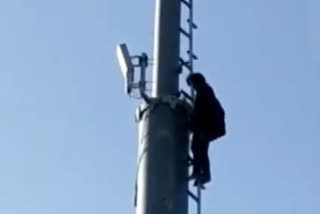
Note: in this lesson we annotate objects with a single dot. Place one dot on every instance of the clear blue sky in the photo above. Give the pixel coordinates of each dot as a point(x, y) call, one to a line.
point(67, 134)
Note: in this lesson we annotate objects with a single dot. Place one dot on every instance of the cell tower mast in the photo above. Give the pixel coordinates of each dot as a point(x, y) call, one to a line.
point(163, 142)
point(162, 175)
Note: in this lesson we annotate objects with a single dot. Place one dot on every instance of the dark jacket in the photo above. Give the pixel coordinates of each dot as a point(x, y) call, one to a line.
point(207, 115)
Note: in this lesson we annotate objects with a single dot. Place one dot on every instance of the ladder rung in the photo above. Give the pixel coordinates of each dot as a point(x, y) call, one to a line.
point(186, 64)
point(185, 33)
point(193, 196)
point(186, 3)
point(193, 55)
point(193, 24)
point(190, 160)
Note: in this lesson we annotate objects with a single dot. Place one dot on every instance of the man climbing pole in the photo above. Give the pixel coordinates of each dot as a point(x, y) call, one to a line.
point(207, 123)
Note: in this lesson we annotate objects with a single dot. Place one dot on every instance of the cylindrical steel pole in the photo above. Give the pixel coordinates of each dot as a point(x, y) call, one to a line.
point(166, 47)
point(162, 167)
point(163, 136)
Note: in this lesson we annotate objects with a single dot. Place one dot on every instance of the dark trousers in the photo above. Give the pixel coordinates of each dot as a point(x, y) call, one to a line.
point(200, 149)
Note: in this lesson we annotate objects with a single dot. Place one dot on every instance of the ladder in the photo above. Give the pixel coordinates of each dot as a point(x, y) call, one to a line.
point(188, 64)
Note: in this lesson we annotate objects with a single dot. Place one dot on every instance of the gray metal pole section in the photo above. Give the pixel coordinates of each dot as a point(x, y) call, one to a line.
point(166, 47)
point(163, 137)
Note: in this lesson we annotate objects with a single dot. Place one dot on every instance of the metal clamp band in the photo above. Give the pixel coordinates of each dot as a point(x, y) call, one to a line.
point(172, 101)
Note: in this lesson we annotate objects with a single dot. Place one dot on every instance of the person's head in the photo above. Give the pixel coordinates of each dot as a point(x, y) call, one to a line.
point(196, 80)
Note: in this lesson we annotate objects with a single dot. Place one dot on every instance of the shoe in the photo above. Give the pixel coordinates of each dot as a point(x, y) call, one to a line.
point(205, 179)
point(194, 176)
point(198, 183)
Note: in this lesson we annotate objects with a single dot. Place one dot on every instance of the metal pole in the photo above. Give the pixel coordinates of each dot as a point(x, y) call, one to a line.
point(162, 183)
point(166, 47)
